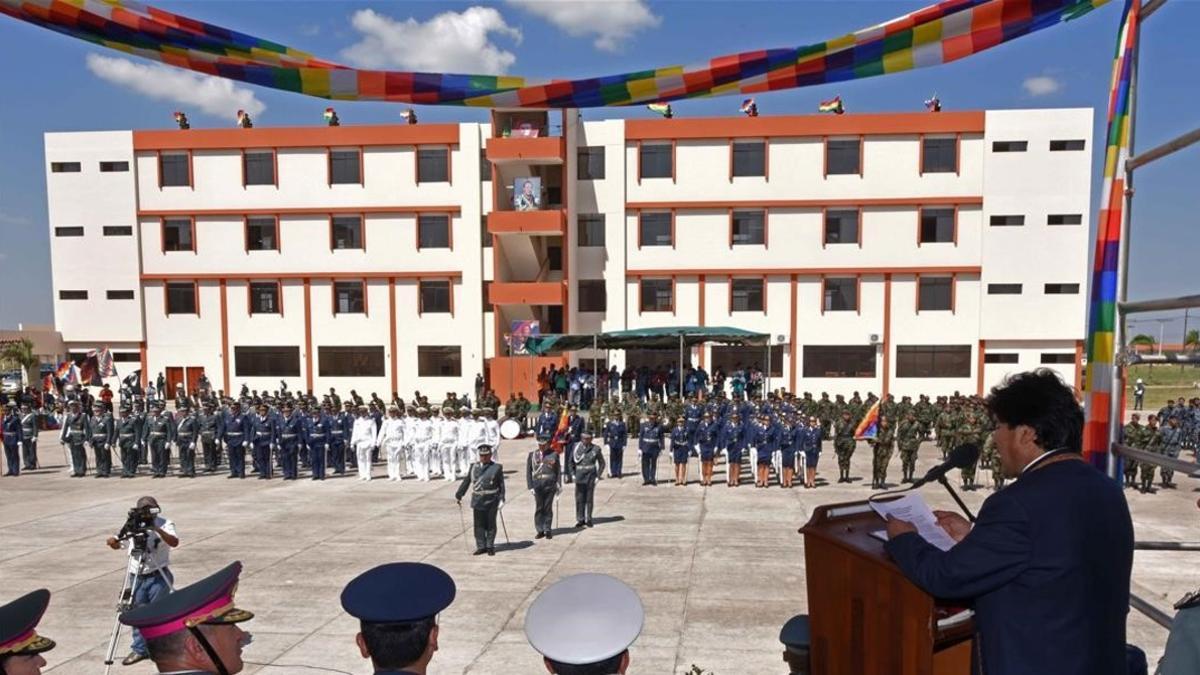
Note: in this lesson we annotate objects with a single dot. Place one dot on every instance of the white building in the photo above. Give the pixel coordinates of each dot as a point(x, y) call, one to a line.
point(904, 253)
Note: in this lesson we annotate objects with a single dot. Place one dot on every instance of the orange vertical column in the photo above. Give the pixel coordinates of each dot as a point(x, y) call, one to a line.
point(887, 333)
point(795, 369)
point(308, 373)
point(225, 340)
point(392, 319)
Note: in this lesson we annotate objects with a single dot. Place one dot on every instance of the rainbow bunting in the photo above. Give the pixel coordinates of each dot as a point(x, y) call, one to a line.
point(868, 426)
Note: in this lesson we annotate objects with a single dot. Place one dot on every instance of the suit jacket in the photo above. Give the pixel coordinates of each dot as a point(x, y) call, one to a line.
point(1046, 569)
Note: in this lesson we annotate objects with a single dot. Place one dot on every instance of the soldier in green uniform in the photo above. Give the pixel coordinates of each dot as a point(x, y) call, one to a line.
point(824, 412)
point(882, 446)
point(926, 414)
point(843, 444)
point(485, 480)
point(1133, 437)
point(990, 459)
point(633, 415)
point(1150, 443)
point(969, 430)
point(944, 423)
point(908, 436)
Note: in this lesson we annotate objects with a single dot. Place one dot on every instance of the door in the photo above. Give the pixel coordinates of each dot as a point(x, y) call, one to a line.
point(193, 380)
point(174, 377)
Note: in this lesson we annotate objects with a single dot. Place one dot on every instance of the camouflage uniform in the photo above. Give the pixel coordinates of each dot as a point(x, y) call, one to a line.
point(908, 435)
point(1133, 436)
point(945, 430)
point(824, 412)
point(882, 446)
point(969, 430)
point(990, 459)
point(1151, 442)
point(843, 446)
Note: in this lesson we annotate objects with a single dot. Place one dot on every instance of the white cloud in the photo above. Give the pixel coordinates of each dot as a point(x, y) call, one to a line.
point(458, 42)
point(216, 96)
point(1041, 85)
point(611, 21)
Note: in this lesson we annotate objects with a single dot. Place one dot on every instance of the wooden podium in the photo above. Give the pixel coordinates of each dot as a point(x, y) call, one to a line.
point(865, 616)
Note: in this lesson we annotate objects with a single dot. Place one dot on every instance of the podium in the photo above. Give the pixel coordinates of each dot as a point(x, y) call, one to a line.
point(865, 616)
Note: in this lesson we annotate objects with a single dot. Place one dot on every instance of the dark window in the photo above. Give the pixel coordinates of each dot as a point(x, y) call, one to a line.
point(260, 234)
point(350, 361)
point(934, 293)
point(266, 361)
point(937, 226)
point(841, 226)
point(181, 298)
point(654, 229)
point(1058, 358)
point(344, 167)
point(591, 163)
point(658, 295)
point(126, 357)
point(485, 167)
point(1061, 146)
point(1064, 219)
point(750, 158)
point(1004, 289)
point(174, 170)
point(591, 229)
point(593, 295)
point(435, 297)
point(72, 295)
point(1000, 357)
point(486, 237)
point(71, 231)
point(177, 234)
point(349, 297)
point(487, 304)
point(114, 167)
point(656, 161)
point(939, 155)
point(842, 157)
point(933, 361)
point(554, 255)
point(746, 295)
point(1010, 146)
point(839, 361)
point(347, 232)
point(439, 361)
point(433, 231)
point(1006, 221)
point(264, 298)
point(749, 228)
point(118, 231)
point(433, 165)
point(1062, 289)
point(119, 295)
point(554, 196)
point(841, 294)
point(65, 167)
point(259, 167)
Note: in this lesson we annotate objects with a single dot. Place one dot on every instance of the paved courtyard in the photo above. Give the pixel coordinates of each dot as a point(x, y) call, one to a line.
point(719, 569)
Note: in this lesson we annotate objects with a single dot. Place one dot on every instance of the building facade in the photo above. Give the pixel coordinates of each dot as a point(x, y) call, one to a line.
point(904, 253)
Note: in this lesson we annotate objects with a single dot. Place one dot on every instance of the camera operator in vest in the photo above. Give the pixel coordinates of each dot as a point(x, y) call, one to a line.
point(149, 537)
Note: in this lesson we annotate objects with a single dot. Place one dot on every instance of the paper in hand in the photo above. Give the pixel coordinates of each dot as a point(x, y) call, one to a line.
point(912, 508)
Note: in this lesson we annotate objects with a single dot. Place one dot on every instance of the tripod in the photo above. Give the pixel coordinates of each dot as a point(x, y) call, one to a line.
point(137, 553)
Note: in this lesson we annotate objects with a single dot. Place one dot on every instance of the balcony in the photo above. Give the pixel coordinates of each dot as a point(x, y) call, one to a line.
point(527, 293)
point(530, 150)
point(545, 222)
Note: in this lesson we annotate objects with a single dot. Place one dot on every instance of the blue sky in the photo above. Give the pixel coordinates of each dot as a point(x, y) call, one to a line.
point(53, 85)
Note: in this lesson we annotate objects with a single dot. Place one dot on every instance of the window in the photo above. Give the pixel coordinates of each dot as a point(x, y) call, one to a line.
point(72, 231)
point(260, 234)
point(1004, 289)
point(593, 295)
point(1064, 219)
point(656, 161)
point(1006, 221)
point(181, 297)
point(485, 167)
point(554, 256)
point(349, 297)
point(126, 357)
point(177, 234)
point(119, 295)
point(841, 294)
point(258, 168)
point(350, 361)
point(118, 231)
point(654, 229)
point(1010, 146)
point(72, 295)
point(174, 170)
point(433, 231)
point(937, 226)
point(487, 290)
point(591, 229)
point(749, 228)
point(747, 295)
point(65, 167)
point(933, 361)
point(843, 157)
point(750, 158)
point(264, 298)
point(486, 237)
point(939, 155)
point(434, 297)
point(433, 165)
point(1000, 357)
point(839, 361)
point(591, 162)
point(345, 167)
point(657, 295)
point(347, 232)
point(439, 361)
point(266, 361)
point(1062, 289)
point(114, 167)
point(1058, 358)
point(935, 294)
point(1068, 145)
point(841, 226)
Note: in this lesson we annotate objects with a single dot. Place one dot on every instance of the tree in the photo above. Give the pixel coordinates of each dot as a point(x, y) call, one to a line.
point(20, 353)
point(1142, 339)
point(1191, 340)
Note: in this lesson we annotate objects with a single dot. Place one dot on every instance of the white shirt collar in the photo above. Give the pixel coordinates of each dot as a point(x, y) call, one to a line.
point(1038, 460)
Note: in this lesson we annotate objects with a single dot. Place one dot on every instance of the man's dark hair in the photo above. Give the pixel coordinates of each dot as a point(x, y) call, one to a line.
point(1039, 399)
point(168, 646)
point(606, 667)
point(396, 645)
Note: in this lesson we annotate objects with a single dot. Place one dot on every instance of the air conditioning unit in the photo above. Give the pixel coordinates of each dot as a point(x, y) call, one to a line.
point(780, 339)
point(873, 338)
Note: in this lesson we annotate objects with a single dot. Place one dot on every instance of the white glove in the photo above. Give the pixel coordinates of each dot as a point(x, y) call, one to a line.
point(532, 491)
point(501, 503)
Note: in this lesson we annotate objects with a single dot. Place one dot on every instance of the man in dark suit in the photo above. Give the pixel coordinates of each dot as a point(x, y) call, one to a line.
point(1046, 566)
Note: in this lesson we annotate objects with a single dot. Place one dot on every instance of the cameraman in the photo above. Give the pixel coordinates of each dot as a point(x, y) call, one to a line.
point(153, 578)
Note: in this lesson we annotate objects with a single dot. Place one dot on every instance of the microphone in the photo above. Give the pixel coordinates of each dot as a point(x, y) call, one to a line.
point(960, 457)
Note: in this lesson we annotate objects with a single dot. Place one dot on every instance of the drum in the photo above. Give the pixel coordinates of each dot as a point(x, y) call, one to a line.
point(510, 429)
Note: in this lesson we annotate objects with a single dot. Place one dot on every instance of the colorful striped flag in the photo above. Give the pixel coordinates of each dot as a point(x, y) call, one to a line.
point(104, 360)
point(833, 105)
point(663, 109)
point(868, 426)
point(559, 440)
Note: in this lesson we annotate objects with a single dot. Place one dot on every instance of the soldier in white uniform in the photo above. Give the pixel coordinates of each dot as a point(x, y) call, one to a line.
point(466, 441)
point(362, 440)
point(410, 433)
point(390, 440)
point(491, 432)
point(422, 440)
point(447, 442)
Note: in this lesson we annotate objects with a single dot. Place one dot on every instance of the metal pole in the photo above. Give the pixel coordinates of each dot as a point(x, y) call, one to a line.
point(680, 365)
point(1161, 324)
point(767, 378)
point(595, 377)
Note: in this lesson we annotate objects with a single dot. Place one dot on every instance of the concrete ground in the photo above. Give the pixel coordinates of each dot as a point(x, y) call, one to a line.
point(719, 569)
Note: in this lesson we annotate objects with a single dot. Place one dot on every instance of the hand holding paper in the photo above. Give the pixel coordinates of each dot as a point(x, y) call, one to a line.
point(918, 517)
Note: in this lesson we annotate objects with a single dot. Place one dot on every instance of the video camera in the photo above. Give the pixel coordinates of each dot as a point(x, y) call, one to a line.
point(138, 524)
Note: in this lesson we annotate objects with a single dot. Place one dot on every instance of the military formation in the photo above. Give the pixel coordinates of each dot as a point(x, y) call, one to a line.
point(1173, 429)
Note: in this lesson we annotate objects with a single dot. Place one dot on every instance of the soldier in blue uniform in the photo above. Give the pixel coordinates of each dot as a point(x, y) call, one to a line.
point(158, 434)
point(707, 432)
point(681, 448)
point(317, 432)
point(236, 433)
point(349, 414)
point(692, 412)
point(813, 437)
point(29, 437)
point(650, 444)
point(574, 433)
point(187, 434)
point(10, 427)
point(733, 439)
point(76, 430)
point(765, 441)
point(291, 431)
point(790, 439)
point(340, 427)
point(397, 607)
point(264, 437)
point(104, 435)
point(615, 435)
point(547, 423)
